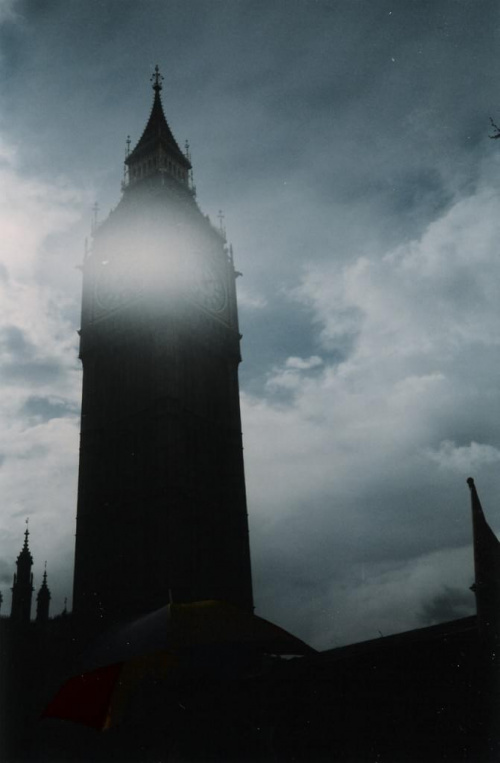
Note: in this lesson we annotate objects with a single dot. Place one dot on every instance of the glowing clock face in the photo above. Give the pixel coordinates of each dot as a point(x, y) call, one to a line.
point(116, 283)
point(210, 290)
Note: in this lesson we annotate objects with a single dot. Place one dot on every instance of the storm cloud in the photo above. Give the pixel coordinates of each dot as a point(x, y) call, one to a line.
point(347, 144)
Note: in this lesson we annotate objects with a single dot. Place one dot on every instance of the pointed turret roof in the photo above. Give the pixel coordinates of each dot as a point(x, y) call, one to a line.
point(157, 131)
point(25, 552)
point(44, 591)
point(43, 600)
point(486, 544)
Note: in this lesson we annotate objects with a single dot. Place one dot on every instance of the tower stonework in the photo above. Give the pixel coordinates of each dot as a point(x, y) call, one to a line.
point(161, 494)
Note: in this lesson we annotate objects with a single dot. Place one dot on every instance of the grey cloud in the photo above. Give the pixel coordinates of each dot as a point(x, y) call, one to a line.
point(270, 336)
point(34, 452)
point(320, 148)
point(36, 372)
point(20, 362)
point(13, 340)
point(20, 513)
point(449, 604)
point(5, 573)
point(46, 408)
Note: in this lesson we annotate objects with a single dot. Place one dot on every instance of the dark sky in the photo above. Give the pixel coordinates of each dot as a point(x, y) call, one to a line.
point(346, 142)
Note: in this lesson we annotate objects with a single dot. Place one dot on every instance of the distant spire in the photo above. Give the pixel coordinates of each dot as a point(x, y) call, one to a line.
point(22, 586)
point(486, 569)
point(25, 551)
point(43, 599)
point(486, 543)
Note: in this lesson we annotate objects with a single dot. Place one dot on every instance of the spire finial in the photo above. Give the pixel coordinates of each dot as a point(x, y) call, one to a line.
point(127, 150)
point(26, 532)
point(157, 79)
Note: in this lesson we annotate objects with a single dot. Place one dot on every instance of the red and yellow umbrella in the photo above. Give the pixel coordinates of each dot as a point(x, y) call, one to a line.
point(159, 644)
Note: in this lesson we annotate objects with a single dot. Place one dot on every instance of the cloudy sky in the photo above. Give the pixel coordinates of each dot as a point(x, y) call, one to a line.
point(347, 143)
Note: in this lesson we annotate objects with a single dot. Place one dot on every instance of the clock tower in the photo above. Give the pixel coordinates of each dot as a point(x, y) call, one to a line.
point(161, 493)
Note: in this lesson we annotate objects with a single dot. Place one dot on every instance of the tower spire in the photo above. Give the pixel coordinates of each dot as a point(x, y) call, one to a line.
point(157, 156)
point(43, 600)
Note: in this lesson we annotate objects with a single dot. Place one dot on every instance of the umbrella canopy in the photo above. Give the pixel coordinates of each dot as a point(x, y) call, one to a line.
point(179, 628)
point(200, 636)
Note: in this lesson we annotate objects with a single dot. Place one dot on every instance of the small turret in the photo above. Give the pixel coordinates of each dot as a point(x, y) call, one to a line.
point(486, 571)
point(22, 586)
point(43, 600)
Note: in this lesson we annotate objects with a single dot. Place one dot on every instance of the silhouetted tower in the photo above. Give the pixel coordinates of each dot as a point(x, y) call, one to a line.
point(22, 587)
point(161, 494)
point(486, 571)
point(43, 601)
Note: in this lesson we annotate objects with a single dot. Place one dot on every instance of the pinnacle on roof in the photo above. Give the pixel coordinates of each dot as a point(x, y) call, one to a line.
point(486, 543)
point(157, 131)
point(44, 589)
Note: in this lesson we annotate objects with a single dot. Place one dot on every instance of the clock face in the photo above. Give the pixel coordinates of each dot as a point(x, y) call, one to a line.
point(210, 290)
point(116, 283)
